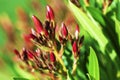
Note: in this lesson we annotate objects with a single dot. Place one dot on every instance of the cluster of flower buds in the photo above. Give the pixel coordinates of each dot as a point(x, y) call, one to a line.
point(45, 56)
point(38, 59)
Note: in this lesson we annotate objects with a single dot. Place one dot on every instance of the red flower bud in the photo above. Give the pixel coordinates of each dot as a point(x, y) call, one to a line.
point(75, 47)
point(52, 57)
point(17, 53)
point(64, 31)
point(46, 32)
point(38, 53)
point(32, 36)
point(60, 39)
point(33, 31)
point(77, 32)
point(50, 13)
point(28, 37)
point(30, 55)
point(24, 54)
point(48, 16)
point(38, 24)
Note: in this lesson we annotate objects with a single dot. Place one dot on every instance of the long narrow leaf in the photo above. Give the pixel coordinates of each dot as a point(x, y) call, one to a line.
point(93, 66)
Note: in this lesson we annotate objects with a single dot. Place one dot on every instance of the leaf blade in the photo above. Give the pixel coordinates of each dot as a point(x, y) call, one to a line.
point(93, 66)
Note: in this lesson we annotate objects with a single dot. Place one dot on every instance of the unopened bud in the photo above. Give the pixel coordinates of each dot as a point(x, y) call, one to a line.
point(28, 37)
point(50, 13)
point(30, 54)
point(77, 32)
point(60, 39)
point(33, 31)
point(75, 48)
point(64, 31)
point(48, 16)
point(52, 57)
point(38, 24)
point(17, 53)
point(24, 55)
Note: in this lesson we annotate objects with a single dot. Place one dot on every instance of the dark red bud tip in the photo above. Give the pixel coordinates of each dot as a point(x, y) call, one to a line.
point(24, 50)
point(32, 36)
point(64, 30)
point(50, 13)
point(38, 24)
point(28, 37)
point(46, 32)
point(52, 57)
point(30, 55)
point(17, 53)
point(77, 32)
point(74, 47)
point(60, 39)
point(48, 16)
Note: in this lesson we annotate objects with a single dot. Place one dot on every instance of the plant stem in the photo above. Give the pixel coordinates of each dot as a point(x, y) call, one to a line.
point(74, 65)
point(59, 59)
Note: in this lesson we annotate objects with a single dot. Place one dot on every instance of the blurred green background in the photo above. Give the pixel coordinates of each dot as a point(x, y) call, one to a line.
point(10, 33)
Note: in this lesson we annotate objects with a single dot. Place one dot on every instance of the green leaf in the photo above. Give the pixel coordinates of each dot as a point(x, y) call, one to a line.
point(117, 27)
point(82, 3)
point(92, 3)
point(20, 79)
point(118, 10)
point(93, 66)
point(69, 76)
point(96, 14)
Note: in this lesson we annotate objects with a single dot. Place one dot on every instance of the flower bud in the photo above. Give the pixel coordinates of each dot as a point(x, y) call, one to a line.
point(17, 53)
point(75, 48)
point(38, 52)
point(28, 38)
point(50, 13)
point(33, 31)
point(61, 39)
point(64, 31)
point(48, 16)
point(38, 24)
point(77, 32)
point(24, 55)
point(52, 57)
point(30, 55)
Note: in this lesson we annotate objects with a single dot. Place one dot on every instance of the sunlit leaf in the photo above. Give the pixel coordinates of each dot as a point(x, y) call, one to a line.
point(92, 3)
point(93, 66)
point(96, 14)
point(117, 26)
point(118, 10)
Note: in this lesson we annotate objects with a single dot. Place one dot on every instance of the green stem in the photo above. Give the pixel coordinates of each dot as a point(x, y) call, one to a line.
point(74, 65)
point(59, 59)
